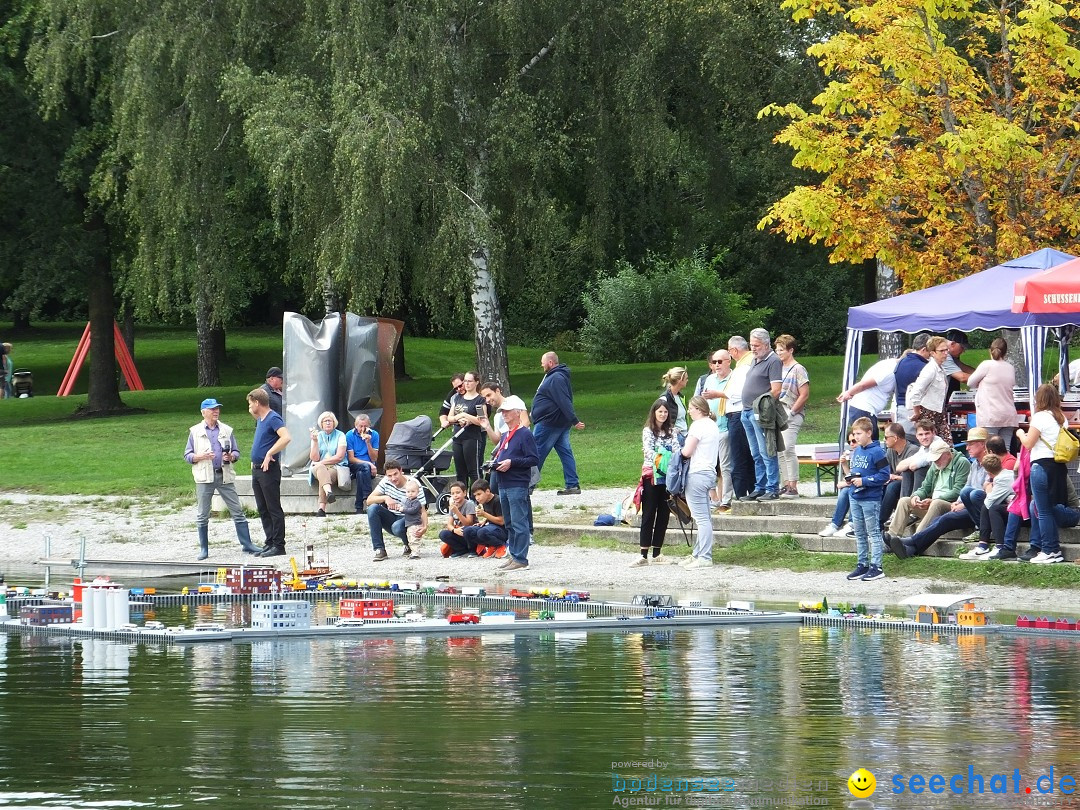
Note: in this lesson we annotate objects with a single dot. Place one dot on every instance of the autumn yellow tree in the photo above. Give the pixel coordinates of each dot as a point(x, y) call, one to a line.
point(947, 138)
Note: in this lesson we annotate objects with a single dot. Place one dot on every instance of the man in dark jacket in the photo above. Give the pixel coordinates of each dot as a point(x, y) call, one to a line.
point(553, 416)
point(515, 456)
point(275, 382)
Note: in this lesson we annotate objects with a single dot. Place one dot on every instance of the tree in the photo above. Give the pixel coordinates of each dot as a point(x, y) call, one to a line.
point(663, 311)
point(945, 139)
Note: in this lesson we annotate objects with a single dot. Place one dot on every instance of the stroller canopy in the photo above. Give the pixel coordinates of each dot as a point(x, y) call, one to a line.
point(410, 437)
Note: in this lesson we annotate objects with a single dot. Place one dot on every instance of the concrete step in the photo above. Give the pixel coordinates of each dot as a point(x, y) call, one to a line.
point(945, 548)
point(297, 496)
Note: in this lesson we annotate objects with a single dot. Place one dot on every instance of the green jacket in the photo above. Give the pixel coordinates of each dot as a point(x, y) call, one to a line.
point(954, 475)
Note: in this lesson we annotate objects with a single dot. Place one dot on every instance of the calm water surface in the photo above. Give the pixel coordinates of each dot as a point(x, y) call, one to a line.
point(529, 720)
point(766, 716)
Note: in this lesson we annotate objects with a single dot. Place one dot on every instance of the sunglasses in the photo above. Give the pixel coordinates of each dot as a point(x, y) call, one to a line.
point(716, 362)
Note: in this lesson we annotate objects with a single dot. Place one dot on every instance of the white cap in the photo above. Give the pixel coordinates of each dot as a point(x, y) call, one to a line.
point(512, 403)
point(937, 449)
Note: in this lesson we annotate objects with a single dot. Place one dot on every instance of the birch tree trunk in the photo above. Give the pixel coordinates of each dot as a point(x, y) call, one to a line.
point(491, 359)
point(890, 344)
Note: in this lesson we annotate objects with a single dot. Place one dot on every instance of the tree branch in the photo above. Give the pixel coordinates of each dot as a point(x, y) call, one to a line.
point(105, 36)
point(539, 55)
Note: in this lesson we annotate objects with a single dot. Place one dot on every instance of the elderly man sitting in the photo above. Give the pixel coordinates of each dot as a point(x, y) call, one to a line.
point(964, 512)
point(939, 490)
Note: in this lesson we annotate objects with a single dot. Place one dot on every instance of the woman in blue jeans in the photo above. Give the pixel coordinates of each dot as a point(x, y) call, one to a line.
point(702, 447)
point(1047, 476)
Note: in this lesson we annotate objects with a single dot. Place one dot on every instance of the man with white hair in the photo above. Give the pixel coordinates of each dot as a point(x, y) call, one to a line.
point(763, 377)
point(940, 489)
point(515, 457)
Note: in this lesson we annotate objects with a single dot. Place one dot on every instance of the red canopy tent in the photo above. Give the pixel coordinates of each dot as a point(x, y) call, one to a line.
point(1056, 291)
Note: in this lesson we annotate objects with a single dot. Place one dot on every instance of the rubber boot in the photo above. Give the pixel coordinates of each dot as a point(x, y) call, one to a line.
point(244, 536)
point(204, 542)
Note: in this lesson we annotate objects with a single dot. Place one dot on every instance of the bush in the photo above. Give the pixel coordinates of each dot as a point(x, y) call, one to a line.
point(666, 310)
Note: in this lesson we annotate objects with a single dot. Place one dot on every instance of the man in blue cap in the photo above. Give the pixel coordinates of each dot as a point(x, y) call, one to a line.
point(211, 451)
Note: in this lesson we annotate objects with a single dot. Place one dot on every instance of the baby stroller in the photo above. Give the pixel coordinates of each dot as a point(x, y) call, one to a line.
point(22, 383)
point(410, 443)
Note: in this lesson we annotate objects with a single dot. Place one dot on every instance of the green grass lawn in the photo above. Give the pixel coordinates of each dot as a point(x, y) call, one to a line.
point(44, 450)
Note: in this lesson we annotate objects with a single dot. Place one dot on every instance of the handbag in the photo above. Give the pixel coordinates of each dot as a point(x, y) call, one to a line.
point(1066, 447)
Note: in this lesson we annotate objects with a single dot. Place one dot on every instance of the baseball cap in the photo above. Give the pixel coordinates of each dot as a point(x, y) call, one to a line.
point(956, 336)
point(977, 434)
point(937, 449)
point(209, 403)
point(274, 371)
point(512, 403)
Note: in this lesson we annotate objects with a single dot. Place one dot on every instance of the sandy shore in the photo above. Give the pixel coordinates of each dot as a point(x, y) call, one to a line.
point(137, 529)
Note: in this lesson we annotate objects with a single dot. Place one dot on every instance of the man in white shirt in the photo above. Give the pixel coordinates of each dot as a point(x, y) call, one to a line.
point(742, 463)
point(714, 389)
point(871, 395)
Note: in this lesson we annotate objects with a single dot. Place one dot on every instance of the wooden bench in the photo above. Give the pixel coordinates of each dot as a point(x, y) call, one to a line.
point(828, 468)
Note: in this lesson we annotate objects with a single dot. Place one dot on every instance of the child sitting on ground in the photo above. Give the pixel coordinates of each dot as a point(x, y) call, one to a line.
point(994, 515)
point(462, 513)
point(415, 514)
point(488, 537)
point(869, 475)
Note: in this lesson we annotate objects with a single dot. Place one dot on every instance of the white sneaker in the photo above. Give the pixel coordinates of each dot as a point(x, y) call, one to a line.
point(976, 553)
point(848, 530)
point(829, 530)
point(660, 559)
point(639, 562)
point(700, 562)
point(685, 562)
point(1042, 558)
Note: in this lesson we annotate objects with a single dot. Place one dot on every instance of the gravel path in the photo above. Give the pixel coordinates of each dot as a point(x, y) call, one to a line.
point(135, 529)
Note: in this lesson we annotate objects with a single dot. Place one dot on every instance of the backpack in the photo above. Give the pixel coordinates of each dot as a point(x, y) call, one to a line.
point(1066, 447)
point(678, 465)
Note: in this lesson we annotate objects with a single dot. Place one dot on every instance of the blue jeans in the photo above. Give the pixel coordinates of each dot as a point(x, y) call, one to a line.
point(973, 499)
point(380, 519)
point(866, 517)
point(698, 485)
point(766, 467)
point(1040, 494)
point(362, 481)
point(558, 438)
point(517, 513)
point(843, 503)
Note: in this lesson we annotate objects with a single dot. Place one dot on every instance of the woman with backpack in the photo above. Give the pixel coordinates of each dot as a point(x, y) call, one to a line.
point(658, 442)
point(1047, 475)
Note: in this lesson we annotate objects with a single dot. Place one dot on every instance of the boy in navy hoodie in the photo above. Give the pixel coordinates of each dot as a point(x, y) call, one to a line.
point(869, 475)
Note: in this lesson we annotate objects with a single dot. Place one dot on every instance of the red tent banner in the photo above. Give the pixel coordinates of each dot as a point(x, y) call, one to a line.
point(1053, 291)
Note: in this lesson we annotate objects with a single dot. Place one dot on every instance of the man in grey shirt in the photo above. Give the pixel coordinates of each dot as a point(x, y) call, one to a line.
point(763, 377)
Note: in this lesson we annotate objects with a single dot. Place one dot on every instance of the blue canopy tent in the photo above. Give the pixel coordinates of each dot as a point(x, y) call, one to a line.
point(979, 301)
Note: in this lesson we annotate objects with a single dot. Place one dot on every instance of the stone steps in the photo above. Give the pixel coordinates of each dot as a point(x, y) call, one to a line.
point(801, 518)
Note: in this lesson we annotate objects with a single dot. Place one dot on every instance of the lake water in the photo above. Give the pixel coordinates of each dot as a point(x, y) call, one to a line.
point(766, 716)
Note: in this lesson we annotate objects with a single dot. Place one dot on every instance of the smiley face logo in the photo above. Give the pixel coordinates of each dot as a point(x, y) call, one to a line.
point(862, 784)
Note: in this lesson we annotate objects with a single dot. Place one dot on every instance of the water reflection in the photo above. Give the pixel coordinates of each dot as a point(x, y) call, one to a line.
point(529, 720)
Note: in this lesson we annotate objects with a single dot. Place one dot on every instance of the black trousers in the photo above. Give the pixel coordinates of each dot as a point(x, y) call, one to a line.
point(468, 458)
point(743, 477)
point(266, 486)
point(654, 514)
